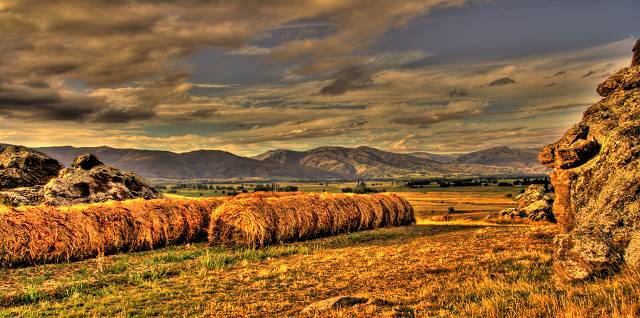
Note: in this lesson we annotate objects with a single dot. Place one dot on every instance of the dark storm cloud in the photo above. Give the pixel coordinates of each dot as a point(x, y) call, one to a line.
point(458, 93)
point(502, 81)
point(23, 101)
point(448, 112)
point(114, 43)
point(36, 99)
point(349, 78)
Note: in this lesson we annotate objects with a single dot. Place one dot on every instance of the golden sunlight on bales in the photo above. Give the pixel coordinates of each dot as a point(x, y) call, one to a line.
point(259, 220)
point(42, 234)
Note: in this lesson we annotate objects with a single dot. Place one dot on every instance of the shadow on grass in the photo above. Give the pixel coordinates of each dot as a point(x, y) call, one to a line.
point(390, 235)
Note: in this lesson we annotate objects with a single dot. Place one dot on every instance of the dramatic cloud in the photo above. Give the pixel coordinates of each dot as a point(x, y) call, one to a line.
point(458, 93)
point(349, 78)
point(450, 111)
point(502, 81)
point(151, 40)
point(247, 76)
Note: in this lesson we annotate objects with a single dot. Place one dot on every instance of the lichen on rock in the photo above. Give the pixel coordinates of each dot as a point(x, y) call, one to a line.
point(597, 182)
point(89, 180)
point(24, 167)
point(534, 204)
point(29, 177)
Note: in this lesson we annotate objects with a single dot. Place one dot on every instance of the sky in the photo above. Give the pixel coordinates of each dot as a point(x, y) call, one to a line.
point(247, 76)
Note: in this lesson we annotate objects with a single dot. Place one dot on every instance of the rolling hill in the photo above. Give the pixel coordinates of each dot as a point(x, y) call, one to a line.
point(367, 162)
point(363, 162)
point(323, 163)
point(201, 164)
point(444, 158)
point(525, 159)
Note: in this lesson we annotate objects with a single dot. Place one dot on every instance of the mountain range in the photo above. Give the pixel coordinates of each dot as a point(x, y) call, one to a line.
point(323, 163)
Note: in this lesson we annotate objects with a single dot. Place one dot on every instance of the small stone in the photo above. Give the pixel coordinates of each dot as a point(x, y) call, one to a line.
point(334, 303)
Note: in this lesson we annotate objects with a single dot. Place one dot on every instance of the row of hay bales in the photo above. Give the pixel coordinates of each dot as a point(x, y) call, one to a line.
point(259, 220)
point(42, 234)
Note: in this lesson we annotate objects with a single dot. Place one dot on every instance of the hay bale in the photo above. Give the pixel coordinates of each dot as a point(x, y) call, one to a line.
point(43, 234)
point(257, 221)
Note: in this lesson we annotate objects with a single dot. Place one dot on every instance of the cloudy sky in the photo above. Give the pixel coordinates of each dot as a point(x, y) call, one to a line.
point(247, 76)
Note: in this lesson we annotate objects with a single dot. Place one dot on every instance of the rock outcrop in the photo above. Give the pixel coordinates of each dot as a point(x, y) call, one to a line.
point(534, 204)
point(29, 177)
point(89, 180)
point(342, 302)
point(22, 196)
point(24, 167)
point(597, 181)
point(635, 61)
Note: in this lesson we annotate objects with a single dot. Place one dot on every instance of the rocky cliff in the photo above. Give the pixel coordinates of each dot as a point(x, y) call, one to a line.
point(597, 181)
point(29, 177)
point(89, 180)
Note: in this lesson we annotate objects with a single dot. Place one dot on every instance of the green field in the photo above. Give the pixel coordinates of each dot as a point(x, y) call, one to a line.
point(334, 187)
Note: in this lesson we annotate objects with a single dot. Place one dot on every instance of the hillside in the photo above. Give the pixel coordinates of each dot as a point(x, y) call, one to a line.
point(367, 162)
point(444, 158)
point(525, 159)
point(201, 164)
point(315, 164)
point(361, 161)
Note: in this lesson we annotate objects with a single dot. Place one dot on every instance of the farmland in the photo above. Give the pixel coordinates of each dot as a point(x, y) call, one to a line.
point(432, 269)
point(428, 201)
point(455, 268)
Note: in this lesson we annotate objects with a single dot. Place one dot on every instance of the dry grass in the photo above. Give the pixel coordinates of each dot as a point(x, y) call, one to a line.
point(432, 269)
point(262, 219)
point(35, 235)
point(467, 204)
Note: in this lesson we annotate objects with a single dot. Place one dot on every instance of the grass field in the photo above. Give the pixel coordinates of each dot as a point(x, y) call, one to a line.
point(458, 268)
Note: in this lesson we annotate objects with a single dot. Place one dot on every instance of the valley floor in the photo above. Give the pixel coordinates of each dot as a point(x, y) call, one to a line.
point(452, 269)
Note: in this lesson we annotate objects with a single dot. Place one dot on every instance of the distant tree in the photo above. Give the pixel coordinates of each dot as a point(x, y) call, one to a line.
point(289, 188)
point(362, 188)
point(447, 215)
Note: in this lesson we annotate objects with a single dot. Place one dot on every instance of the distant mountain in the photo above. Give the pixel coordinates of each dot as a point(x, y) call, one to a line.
point(525, 159)
point(367, 162)
point(434, 156)
point(362, 162)
point(201, 164)
point(316, 164)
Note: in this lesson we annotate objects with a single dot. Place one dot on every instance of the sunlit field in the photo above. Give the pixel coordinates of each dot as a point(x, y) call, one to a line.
point(473, 202)
point(451, 268)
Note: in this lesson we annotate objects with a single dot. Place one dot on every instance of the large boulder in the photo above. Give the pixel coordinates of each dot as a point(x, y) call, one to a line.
point(534, 204)
point(22, 196)
point(597, 182)
point(24, 167)
point(89, 180)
